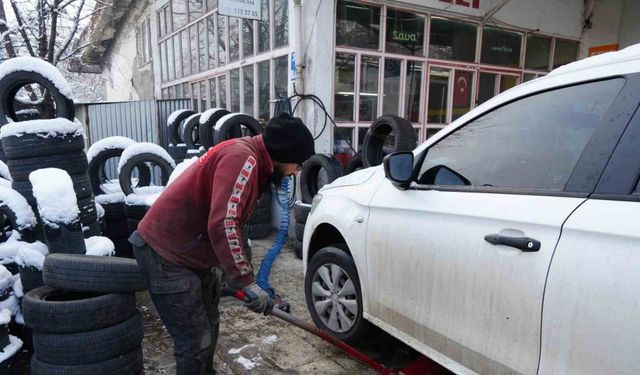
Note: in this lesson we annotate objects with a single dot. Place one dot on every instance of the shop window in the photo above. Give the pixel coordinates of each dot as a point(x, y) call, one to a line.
point(501, 47)
point(222, 91)
point(211, 5)
point(358, 25)
point(566, 51)
point(247, 89)
point(234, 85)
point(170, 60)
point(391, 86)
point(177, 55)
point(193, 42)
point(247, 38)
point(344, 86)
point(263, 91)
point(487, 87)
point(222, 40)
point(432, 131)
point(342, 138)
point(462, 89)
point(537, 54)
point(211, 36)
point(202, 45)
point(507, 82)
point(195, 9)
point(368, 100)
point(405, 33)
point(281, 23)
point(234, 39)
point(263, 28)
point(438, 95)
point(452, 40)
point(213, 102)
point(179, 11)
point(412, 90)
point(144, 41)
point(280, 75)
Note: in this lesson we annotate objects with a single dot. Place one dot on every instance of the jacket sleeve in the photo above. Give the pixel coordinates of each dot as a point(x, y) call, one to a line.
point(234, 184)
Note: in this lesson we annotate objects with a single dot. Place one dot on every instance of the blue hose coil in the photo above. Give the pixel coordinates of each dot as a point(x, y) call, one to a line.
point(267, 262)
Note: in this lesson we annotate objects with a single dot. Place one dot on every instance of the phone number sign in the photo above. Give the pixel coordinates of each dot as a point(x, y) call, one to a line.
point(240, 8)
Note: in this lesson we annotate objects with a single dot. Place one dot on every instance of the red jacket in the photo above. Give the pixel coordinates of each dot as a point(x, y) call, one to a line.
point(197, 221)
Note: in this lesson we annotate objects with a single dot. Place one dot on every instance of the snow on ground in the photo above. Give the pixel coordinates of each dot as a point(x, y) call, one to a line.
point(55, 127)
point(99, 210)
point(4, 171)
point(32, 255)
point(6, 279)
point(174, 115)
point(112, 187)
point(18, 204)
point(110, 198)
point(9, 248)
point(17, 286)
point(5, 317)
point(55, 196)
point(99, 245)
point(206, 115)
point(32, 64)
point(10, 350)
point(144, 148)
point(181, 167)
point(108, 143)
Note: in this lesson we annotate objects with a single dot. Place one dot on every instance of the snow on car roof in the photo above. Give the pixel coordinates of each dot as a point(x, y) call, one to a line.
point(144, 148)
point(108, 144)
point(53, 189)
point(25, 217)
point(32, 64)
point(44, 128)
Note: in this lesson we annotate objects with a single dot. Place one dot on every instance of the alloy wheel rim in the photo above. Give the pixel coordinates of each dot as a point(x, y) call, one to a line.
point(334, 298)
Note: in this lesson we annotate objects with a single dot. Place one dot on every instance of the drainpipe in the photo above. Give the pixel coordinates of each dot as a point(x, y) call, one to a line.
point(297, 13)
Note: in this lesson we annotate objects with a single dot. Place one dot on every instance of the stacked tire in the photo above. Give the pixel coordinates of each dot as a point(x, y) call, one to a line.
point(9, 345)
point(177, 148)
point(115, 219)
point(317, 171)
point(84, 319)
point(259, 224)
point(300, 214)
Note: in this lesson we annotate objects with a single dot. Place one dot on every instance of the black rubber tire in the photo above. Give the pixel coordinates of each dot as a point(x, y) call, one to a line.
point(311, 168)
point(355, 164)
point(225, 132)
point(31, 278)
point(132, 224)
point(174, 132)
point(4, 336)
point(127, 168)
point(72, 163)
point(81, 186)
point(93, 273)
point(116, 229)
point(190, 133)
point(80, 348)
point(65, 238)
point(33, 145)
point(260, 215)
point(258, 231)
point(297, 248)
point(299, 230)
point(126, 364)
point(373, 150)
point(334, 255)
point(113, 212)
point(11, 83)
point(51, 310)
point(135, 211)
point(12, 267)
point(88, 213)
point(178, 153)
point(264, 201)
point(206, 130)
point(123, 247)
point(96, 170)
point(94, 229)
point(27, 234)
point(301, 212)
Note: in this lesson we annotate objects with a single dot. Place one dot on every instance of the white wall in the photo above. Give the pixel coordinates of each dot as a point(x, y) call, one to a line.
point(630, 27)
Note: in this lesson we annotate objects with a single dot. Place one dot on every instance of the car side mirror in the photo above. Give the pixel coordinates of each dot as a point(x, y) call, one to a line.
point(398, 168)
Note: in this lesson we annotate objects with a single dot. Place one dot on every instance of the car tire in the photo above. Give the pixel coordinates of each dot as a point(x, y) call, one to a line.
point(258, 231)
point(355, 164)
point(27, 232)
point(354, 327)
point(207, 130)
point(113, 212)
point(299, 230)
point(93, 273)
point(226, 127)
point(178, 153)
point(374, 141)
point(126, 364)
point(311, 171)
point(64, 238)
point(301, 211)
point(88, 212)
point(33, 145)
point(80, 348)
point(190, 133)
point(174, 125)
point(52, 310)
point(92, 229)
point(98, 163)
point(71, 162)
point(125, 172)
point(297, 248)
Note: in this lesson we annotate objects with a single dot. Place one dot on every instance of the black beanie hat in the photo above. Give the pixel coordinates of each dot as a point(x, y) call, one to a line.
point(287, 139)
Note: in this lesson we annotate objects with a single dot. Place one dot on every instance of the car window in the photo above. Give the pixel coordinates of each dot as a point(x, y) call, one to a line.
point(533, 143)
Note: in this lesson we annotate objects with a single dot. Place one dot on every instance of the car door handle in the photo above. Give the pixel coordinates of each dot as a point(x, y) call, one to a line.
point(523, 243)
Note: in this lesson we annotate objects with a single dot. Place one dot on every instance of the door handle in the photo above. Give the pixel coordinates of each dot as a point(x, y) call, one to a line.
point(523, 243)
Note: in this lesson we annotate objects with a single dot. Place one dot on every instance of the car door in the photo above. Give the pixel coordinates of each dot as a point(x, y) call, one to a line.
point(457, 264)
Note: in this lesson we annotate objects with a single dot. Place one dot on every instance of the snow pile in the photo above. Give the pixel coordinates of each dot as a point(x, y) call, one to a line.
point(5, 183)
point(247, 363)
point(174, 115)
point(32, 64)
point(5, 316)
point(17, 286)
point(108, 144)
point(10, 350)
point(4, 171)
point(9, 248)
point(18, 204)
point(112, 187)
point(110, 198)
point(54, 127)
point(192, 151)
point(272, 339)
point(99, 210)
point(12, 303)
point(32, 255)
point(224, 119)
point(629, 53)
point(6, 279)
point(98, 245)
point(181, 167)
point(56, 198)
point(144, 148)
point(206, 115)
point(142, 199)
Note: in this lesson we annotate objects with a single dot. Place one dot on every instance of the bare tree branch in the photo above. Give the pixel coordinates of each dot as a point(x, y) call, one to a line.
point(75, 50)
point(94, 12)
point(72, 33)
point(54, 31)
point(21, 28)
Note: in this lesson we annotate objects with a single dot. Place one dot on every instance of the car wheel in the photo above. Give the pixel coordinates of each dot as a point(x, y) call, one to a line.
point(333, 294)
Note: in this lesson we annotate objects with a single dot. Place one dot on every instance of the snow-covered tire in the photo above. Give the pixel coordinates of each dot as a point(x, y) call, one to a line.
point(113, 212)
point(258, 231)
point(65, 238)
point(71, 162)
point(93, 273)
point(126, 169)
point(301, 211)
point(27, 233)
point(32, 145)
point(52, 310)
point(174, 126)
point(96, 170)
point(31, 278)
point(135, 211)
point(12, 82)
point(88, 213)
point(126, 364)
point(178, 153)
point(355, 164)
point(190, 133)
point(207, 130)
point(226, 125)
point(81, 186)
point(90, 346)
point(373, 146)
point(299, 230)
point(4, 335)
point(310, 181)
point(92, 229)
point(297, 248)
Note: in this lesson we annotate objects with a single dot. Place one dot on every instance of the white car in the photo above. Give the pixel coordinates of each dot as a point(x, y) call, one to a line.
point(508, 243)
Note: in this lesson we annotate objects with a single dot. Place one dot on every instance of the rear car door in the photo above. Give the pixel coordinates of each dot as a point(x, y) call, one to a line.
point(457, 264)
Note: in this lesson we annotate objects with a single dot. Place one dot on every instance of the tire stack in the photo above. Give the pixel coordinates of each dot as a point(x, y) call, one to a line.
point(206, 129)
point(177, 148)
point(9, 345)
point(317, 171)
point(84, 319)
point(259, 224)
point(300, 213)
point(116, 222)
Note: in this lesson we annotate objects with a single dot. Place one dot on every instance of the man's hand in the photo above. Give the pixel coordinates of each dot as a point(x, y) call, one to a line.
point(259, 300)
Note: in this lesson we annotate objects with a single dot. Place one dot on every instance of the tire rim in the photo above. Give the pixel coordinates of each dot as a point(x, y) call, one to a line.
point(334, 298)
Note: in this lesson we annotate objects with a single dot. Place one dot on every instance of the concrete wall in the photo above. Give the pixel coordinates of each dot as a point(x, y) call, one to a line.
point(630, 25)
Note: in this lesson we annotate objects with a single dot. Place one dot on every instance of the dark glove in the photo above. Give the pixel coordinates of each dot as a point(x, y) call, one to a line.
point(259, 300)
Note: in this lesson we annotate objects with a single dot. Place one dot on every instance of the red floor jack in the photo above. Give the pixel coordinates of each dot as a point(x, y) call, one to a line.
point(422, 365)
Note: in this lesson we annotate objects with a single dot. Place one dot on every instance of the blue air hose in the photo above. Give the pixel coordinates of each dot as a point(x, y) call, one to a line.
point(267, 262)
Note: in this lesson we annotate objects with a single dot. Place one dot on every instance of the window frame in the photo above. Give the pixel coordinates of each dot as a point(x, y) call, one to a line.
point(145, 48)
